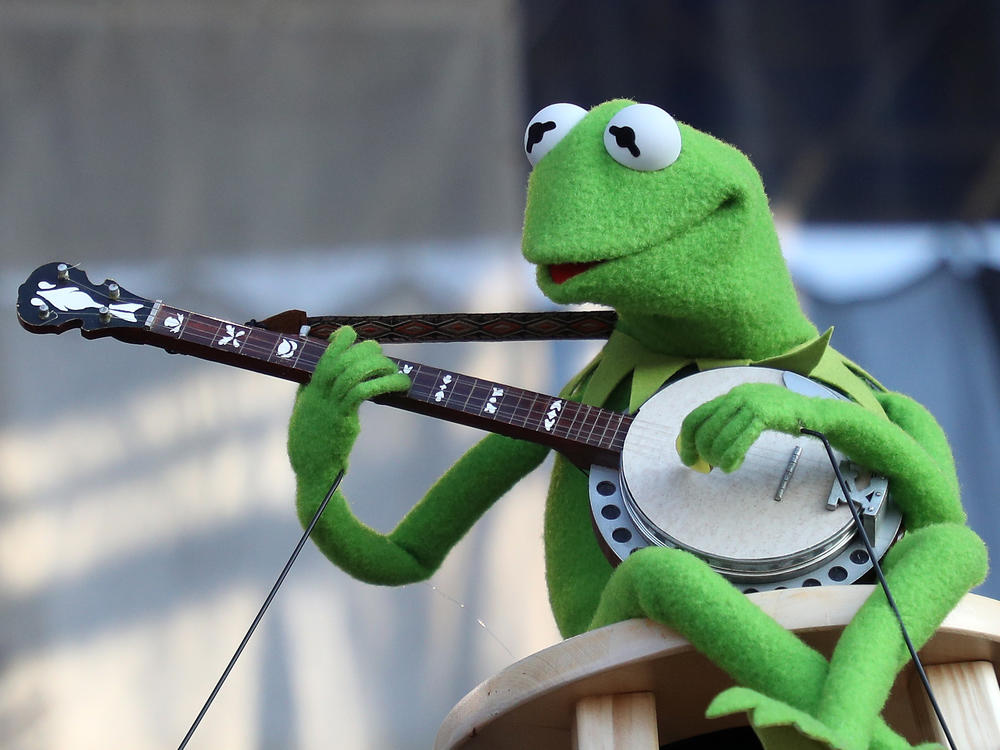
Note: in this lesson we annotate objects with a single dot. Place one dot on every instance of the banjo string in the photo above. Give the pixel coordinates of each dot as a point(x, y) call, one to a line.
point(467, 612)
point(263, 609)
point(885, 586)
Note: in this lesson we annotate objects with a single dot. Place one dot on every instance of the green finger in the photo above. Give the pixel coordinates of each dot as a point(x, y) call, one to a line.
point(687, 447)
point(733, 456)
point(729, 410)
point(381, 385)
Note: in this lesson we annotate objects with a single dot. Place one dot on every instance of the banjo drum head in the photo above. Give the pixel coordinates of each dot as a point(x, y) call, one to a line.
point(732, 520)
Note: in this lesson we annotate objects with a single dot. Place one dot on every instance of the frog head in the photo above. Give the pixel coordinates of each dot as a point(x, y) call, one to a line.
point(668, 225)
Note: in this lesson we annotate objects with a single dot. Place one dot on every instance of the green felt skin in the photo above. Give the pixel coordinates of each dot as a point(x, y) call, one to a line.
point(691, 263)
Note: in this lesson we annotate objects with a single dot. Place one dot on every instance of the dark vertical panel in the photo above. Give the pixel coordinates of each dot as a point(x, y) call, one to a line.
point(852, 111)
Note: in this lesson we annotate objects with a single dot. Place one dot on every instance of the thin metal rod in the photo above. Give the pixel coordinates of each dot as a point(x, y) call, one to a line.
point(263, 609)
point(885, 586)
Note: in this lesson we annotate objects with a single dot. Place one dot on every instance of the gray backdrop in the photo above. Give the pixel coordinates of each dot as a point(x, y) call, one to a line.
point(238, 158)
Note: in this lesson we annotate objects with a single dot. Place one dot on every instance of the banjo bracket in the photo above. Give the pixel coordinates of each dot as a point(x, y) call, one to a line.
point(868, 493)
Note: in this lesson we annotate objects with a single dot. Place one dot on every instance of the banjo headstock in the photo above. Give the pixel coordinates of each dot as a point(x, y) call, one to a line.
point(59, 296)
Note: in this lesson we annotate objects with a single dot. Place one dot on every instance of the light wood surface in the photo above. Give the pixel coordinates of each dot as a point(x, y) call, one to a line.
point(969, 698)
point(531, 704)
point(616, 722)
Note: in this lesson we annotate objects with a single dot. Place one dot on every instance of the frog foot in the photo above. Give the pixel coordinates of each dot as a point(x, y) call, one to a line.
point(778, 725)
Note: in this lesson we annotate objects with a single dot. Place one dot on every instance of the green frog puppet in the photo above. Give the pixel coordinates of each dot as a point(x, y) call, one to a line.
point(628, 208)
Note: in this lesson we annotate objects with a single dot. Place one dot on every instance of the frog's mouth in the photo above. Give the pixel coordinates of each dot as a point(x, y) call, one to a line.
point(563, 272)
point(731, 201)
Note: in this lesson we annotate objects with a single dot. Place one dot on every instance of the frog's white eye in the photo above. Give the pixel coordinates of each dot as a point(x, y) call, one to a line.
point(548, 127)
point(643, 137)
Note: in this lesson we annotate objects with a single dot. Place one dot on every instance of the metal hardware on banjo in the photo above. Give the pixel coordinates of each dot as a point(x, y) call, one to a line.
point(779, 521)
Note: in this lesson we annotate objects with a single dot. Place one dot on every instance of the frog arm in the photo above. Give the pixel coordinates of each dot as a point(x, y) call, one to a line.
point(418, 545)
point(918, 423)
point(322, 431)
point(908, 448)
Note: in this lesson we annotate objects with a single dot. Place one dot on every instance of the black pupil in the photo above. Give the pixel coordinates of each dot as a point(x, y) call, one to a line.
point(625, 138)
point(536, 131)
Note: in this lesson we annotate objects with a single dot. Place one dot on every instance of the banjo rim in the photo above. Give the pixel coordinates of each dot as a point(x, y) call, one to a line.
point(836, 546)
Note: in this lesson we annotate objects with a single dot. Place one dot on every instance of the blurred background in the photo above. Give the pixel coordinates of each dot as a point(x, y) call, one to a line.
point(242, 157)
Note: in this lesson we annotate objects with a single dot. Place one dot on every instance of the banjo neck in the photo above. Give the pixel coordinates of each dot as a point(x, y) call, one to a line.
point(584, 434)
point(57, 297)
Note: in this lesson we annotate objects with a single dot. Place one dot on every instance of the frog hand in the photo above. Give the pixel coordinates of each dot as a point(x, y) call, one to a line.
point(324, 422)
point(721, 431)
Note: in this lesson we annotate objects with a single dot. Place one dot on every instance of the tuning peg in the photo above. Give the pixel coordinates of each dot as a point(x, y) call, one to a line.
point(44, 312)
point(114, 291)
point(104, 314)
point(62, 271)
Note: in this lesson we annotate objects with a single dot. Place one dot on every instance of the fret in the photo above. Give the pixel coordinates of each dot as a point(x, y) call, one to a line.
point(522, 408)
point(285, 349)
point(606, 420)
point(551, 417)
point(172, 320)
point(509, 414)
point(592, 423)
point(479, 397)
point(601, 421)
point(472, 383)
point(230, 335)
point(578, 409)
point(275, 343)
point(537, 410)
point(427, 377)
point(314, 349)
point(588, 423)
point(529, 412)
point(614, 432)
point(461, 392)
point(623, 429)
point(484, 403)
point(493, 399)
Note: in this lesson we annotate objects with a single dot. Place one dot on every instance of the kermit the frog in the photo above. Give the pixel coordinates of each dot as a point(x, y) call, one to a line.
point(671, 227)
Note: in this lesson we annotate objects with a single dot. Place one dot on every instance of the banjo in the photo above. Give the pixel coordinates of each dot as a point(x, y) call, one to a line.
point(780, 521)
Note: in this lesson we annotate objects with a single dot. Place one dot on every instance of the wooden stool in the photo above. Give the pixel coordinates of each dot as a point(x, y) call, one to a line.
point(637, 684)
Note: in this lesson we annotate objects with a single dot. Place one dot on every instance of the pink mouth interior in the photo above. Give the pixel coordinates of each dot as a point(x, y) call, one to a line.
point(562, 272)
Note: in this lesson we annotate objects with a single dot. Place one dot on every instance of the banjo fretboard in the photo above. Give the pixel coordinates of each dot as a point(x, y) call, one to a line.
point(585, 434)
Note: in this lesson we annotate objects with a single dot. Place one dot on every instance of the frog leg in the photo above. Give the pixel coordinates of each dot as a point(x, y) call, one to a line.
point(781, 678)
point(928, 572)
point(908, 449)
point(871, 650)
point(681, 591)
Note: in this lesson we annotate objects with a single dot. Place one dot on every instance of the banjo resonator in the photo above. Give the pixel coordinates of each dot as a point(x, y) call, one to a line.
point(779, 521)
